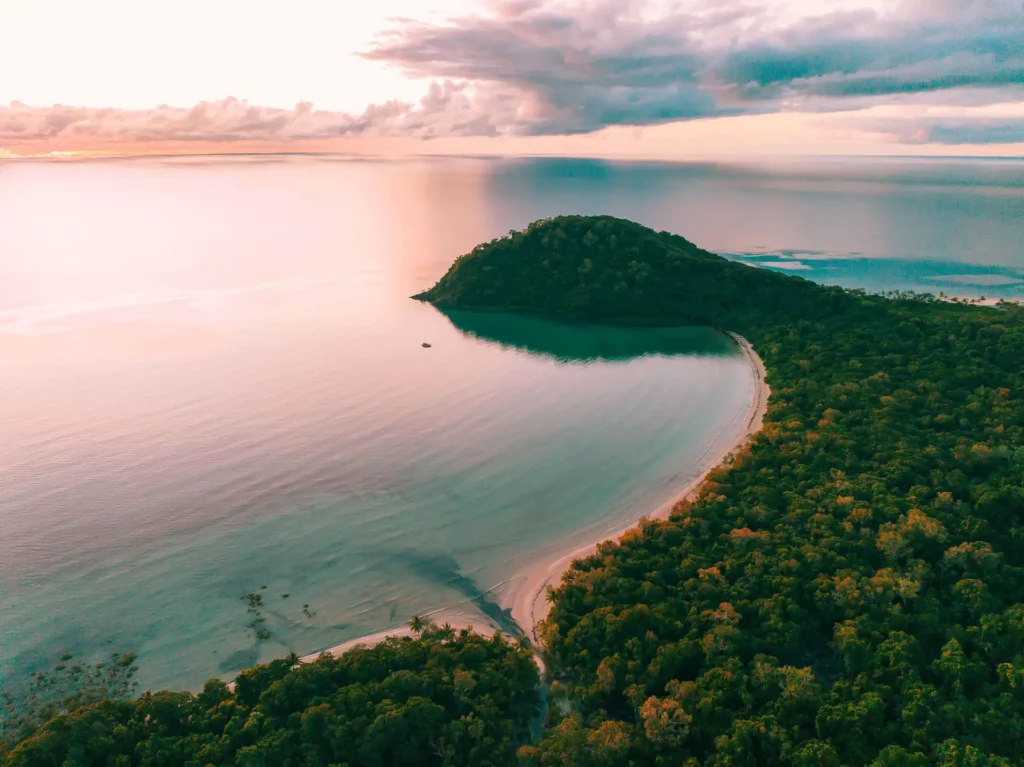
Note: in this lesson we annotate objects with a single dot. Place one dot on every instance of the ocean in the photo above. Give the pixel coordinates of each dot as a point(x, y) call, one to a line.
point(213, 381)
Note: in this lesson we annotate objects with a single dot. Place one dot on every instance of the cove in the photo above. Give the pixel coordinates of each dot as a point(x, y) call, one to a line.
point(349, 489)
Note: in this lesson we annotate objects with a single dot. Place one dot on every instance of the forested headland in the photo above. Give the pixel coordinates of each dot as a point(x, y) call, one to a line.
point(848, 590)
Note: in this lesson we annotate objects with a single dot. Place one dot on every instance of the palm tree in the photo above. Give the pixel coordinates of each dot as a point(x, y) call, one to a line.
point(447, 632)
point(417, 624)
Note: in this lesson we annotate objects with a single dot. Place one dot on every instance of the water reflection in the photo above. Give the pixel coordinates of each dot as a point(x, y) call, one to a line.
point(211, 379)
point(580, 343)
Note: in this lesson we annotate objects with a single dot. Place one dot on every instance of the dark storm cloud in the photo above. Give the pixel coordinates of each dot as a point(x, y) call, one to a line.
point(905, 60)
point(574, 70)
point(580, 67)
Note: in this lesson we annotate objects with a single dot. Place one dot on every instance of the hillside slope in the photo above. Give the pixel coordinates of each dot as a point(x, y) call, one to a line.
point(610, 270)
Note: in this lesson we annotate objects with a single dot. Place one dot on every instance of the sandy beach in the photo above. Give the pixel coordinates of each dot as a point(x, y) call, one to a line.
point(457, 619)
point(528, 597)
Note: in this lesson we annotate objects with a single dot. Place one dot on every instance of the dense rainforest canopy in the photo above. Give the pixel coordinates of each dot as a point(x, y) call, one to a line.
point(445, 698)
point(848, 591)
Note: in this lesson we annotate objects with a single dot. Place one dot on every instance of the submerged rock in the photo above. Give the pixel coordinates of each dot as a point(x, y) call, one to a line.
point(426, 345)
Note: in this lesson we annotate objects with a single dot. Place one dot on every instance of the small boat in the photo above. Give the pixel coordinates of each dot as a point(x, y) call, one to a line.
point(426, 345)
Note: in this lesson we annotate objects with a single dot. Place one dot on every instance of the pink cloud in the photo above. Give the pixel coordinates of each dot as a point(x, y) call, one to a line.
point(448, 109)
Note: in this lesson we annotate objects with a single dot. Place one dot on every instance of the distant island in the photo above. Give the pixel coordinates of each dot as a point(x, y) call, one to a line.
point(847, 590)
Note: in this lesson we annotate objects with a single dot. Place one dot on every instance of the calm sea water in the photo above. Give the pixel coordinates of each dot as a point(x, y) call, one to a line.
point(212, 380)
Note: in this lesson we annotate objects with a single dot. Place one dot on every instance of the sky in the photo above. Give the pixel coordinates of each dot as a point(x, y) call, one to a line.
point(617, 78)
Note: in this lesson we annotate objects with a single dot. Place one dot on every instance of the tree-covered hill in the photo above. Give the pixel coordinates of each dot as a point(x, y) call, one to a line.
point(609, 270)
point(849, 591)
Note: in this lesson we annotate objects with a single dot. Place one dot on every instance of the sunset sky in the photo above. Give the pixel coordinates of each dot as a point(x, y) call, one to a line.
point(615, 78)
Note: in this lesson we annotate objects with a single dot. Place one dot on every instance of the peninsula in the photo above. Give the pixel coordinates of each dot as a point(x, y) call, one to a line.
point(848, 589)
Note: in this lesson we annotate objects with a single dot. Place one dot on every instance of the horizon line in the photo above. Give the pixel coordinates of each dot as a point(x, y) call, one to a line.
point(74, 156)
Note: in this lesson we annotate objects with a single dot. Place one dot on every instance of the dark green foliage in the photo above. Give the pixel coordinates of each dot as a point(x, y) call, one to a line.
point(608, 270)
point(444, 699)
point(849, 591)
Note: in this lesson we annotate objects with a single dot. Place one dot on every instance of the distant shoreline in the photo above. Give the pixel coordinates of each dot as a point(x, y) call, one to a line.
point(527, 600)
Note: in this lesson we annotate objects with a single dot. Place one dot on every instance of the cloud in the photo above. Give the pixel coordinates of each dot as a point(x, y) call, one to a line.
point(945, 130)
point(447, 109)
point(987, 132)
point(564, 67)
point(928, 46)
point(578, 69)
point(585, 66)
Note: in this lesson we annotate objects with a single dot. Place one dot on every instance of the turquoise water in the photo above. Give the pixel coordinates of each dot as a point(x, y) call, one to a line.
point(203, 395)
point(212, 380)
point(880, 275)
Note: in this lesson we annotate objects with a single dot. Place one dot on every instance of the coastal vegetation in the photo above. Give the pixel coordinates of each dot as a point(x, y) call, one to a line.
point(847, 590)
point(445, 698)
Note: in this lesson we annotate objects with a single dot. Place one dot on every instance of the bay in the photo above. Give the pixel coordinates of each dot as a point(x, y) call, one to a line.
point(212, 380)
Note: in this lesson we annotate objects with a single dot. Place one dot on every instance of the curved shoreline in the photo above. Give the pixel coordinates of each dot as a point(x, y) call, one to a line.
point(457, 620)
point(527, 601)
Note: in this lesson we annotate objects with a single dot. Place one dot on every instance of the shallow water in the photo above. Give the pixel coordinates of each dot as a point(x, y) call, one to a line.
point(212, 380)
point(209, 386)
